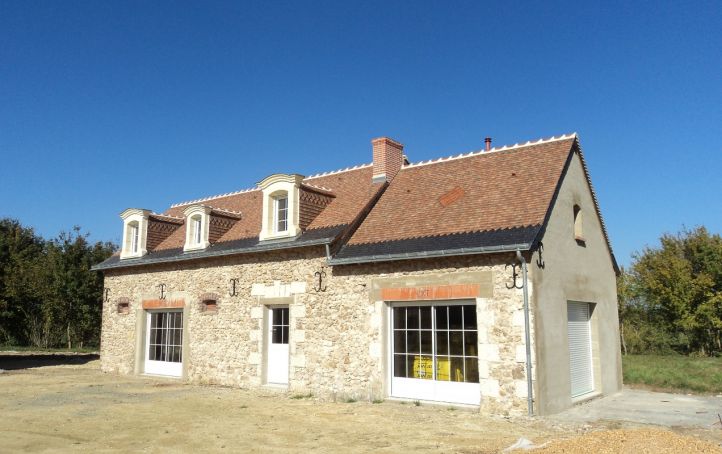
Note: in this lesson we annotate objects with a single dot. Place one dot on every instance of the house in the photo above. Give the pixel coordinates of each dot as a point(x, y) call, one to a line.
point(484, 279)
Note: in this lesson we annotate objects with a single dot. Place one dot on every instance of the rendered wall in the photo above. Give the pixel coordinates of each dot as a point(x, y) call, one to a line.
point(573, 271)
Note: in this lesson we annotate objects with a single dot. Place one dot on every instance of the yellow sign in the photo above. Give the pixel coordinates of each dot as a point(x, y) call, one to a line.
point(424, 369)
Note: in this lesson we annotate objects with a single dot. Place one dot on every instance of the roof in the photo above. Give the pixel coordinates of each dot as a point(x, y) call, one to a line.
point(485, 201)
point(479, 202)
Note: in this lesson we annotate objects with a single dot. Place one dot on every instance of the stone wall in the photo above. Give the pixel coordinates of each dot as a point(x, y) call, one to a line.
point(337, 337)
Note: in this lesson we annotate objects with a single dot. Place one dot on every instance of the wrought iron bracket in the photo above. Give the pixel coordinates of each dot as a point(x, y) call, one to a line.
point(162, 291)
point(234, 289)
point(320, 276)
point(106, 295)
point(514, 276)
point(540, 260)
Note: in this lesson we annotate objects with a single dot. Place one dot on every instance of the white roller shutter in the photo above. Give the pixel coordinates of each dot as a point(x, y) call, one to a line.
point(580, 348)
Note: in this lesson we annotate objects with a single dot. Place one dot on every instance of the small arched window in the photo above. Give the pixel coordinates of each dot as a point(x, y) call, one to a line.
point(133, 240)
point(280, 212)
point(578, 224)
point(197, 227)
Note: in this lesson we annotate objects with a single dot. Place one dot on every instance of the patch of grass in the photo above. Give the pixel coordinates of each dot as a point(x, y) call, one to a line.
point(377, 401)
point(417, 403)
point(350, 400)
point(674, 373)
point(16, 348)
point(302, 396)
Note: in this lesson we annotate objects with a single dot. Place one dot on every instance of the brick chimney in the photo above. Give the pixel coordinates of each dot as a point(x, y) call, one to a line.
point(388, 159)
point(487, 143)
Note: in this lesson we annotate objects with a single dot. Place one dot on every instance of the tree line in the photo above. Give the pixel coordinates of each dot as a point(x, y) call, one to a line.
point(670, 298)
point(49, 298)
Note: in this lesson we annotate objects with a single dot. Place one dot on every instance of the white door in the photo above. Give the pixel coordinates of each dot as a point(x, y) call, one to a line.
point(164, 345)
point(277, 369)
point(435, 352)
point(580, 348)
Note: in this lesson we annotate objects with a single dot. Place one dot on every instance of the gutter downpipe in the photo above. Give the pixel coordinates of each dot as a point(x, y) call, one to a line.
point(527, 335)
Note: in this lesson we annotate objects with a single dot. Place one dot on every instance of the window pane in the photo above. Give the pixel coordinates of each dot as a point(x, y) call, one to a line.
point(470, 317)
point(285, 334)
point(472, 370)
point(399, 341)
point(426, 345)
point(442, 343)
point(470, 344)
point(412, 339)
point(423, 367)
point(456, 343)
point(276, 335)
point(277, 316)
point(441, 317)
point(425, 317)
point(455, 317)
point(400, 366)
point(442, 368)
point(399, 317)
point(457, 369)
point(412, 317)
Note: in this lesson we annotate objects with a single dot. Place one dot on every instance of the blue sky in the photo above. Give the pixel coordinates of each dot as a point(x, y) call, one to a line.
point(109, 105)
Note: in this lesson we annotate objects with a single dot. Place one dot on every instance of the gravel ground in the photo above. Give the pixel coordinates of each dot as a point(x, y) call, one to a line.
point(63, 403)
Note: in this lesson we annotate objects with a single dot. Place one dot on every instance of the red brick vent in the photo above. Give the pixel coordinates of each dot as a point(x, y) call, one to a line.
point(123, 306)
point(209, 302)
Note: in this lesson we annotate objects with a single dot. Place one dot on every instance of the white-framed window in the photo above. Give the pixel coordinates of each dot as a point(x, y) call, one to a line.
point(280, 210)
point(134, 234)
point(197, 229)
point(434, 351)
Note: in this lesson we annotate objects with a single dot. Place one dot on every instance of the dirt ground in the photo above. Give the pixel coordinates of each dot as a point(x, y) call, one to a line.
point(63, 403)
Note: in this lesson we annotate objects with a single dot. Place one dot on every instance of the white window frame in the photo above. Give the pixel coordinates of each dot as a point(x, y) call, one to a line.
point(167, 368)
point(277, 210)
point(197, 229)
point(134, 237)
point(430, 390)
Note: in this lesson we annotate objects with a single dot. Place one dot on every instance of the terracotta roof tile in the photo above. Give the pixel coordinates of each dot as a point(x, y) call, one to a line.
point(486, 191)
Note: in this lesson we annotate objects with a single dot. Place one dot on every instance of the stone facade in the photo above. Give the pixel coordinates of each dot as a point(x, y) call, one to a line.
point(338, 337)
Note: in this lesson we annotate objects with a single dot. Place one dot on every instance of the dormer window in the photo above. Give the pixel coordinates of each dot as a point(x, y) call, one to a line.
point(197, 223)
point(135, 233)
point(280, 217)
point(280, 209)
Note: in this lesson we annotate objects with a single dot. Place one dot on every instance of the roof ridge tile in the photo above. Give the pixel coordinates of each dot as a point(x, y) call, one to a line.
point(204, 199)
point(493, 150)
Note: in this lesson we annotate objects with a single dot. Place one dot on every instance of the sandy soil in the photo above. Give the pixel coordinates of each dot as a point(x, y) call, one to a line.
point(63, 403)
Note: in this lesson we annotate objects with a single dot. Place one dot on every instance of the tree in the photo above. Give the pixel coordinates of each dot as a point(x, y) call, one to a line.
point(48, 295)
point(674, 294)
point(75, 300)
point(21, 254)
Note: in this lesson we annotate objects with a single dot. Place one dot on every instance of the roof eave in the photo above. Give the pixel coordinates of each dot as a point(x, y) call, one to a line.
point(212, 254)
point(430, 254)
